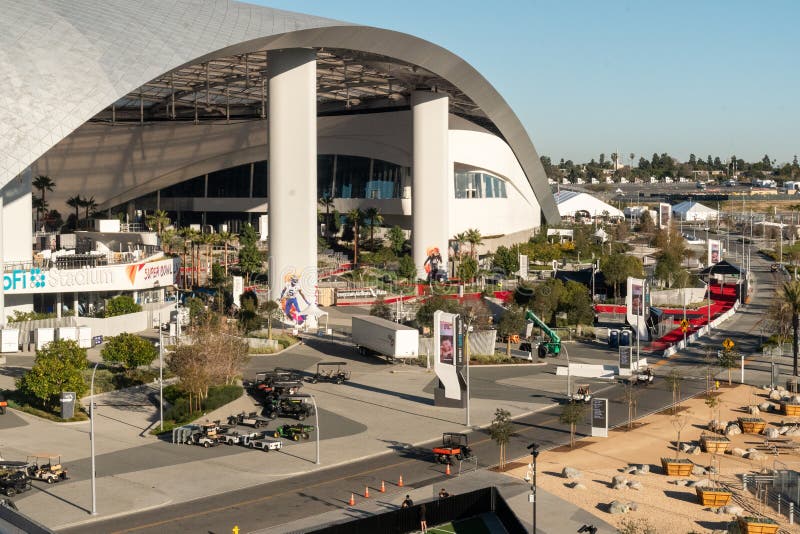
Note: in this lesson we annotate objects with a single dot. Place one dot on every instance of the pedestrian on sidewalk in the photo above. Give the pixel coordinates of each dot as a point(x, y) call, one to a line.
point(407, 502)
point(423, 523)
point(443, 494)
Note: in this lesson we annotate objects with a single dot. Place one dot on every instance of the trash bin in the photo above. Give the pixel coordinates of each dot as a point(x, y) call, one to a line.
point(67, 404)
point(613, 338)
point(625, 338)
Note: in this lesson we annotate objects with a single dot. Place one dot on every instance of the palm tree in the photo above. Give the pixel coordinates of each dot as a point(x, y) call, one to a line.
point(375, 218)
point(225, 238)
point(88, 204)
point(40, 204)
point(474, 238)
point(790, 298)
point(208, 240)
point(75, 202)
point(159, 219)
point(43, 183)
point(355, 216)
point(461, 240)
point(326, 201)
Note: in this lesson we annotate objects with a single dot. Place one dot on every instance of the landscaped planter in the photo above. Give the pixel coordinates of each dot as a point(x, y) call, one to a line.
point(790, 408)
point(752, 425)
point(715, 497)
point(677, 467)
point(714, 444)
point(757, 525)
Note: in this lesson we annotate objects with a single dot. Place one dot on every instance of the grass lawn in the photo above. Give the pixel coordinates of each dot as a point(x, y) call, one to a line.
point(473, 525)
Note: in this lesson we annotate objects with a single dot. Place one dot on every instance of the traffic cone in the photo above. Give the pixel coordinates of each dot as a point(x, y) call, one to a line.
point(447, 470)
point(400, 484)
point(383, 487)
point(366, 492)
point(352, 500)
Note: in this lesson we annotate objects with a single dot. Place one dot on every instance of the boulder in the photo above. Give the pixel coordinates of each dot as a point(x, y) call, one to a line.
point(577, 486)
point(698, 470)
point(733, 429)
point(786, 396)
point(793, 432)
point(618, 507)
point(775, 395)
point(754, 410)
point(700, 483)
point(731, 509)
point(796, 399)
point(712, 470)
point(696, 450)
point(635, 485)
point(633, 506)
point(685, 447)
point(783, 430)
point(644, 468)
point(736, 451)
point(680, 482)
point(772, 432)
point(780, 388)
point(570, 473)
point(631, 469)
point(765, 406)
point(756, 456)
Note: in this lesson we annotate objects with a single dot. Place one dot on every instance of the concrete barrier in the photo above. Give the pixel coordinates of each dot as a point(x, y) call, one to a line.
point(587, 370)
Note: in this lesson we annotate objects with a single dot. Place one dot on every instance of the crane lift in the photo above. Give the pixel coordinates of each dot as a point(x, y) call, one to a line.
point(545, 347)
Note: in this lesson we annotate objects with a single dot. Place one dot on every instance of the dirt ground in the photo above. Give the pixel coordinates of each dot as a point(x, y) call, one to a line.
point(669, 508)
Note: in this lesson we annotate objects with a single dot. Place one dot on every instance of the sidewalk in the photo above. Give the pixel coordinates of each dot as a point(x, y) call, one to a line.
point(554, 515)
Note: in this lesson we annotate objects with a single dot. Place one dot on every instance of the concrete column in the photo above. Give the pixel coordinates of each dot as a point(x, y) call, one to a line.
point(432, 174)
point(75, 306)
point(293, 174)
point(59, 304)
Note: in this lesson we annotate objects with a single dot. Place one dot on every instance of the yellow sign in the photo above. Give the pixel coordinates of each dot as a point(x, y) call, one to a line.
point(728, 343)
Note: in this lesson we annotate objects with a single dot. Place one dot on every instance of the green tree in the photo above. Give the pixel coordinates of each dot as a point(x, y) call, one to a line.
point(43, 183)
point(512, 322)
point(501, 430)
point(646, 224)
point(474, 238)
point(326, 201)
point(355, 216)
point(467, 269)
point(728, 359)
point(272, 310)
point(407, 268)
point(790, 299)
point(374, 218)
point(506, 259)
point(128, 350)
point(572, 414)
point(618, 267)
point(158, 221)
point(88, 204)
point(121, 305)
point(437, 302)
point(57, 368)
point(545, 298)
point(248, 312)
point(674, 380)
point(381, 309)
point(40, 205)
point(75, 202)
point(576, 303)
point(250, 260)
point(397, 239)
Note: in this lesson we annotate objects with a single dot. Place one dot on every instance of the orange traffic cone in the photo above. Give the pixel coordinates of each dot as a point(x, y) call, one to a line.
point(352, 500)
point(400, 484)
point(366, 492)
point(447, 471)
point(383, 487)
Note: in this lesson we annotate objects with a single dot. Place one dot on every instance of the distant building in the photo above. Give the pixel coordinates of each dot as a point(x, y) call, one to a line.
point(694, 211)
point(575, 205)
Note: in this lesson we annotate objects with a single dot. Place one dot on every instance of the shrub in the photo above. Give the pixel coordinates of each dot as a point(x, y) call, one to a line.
point(179, 401)
point(121, 305)
point(129, 350)
point(58, 367)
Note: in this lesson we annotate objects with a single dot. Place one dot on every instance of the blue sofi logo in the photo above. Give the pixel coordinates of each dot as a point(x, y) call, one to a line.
point(19, 279)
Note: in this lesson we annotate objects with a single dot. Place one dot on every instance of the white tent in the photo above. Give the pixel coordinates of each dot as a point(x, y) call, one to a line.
point(693, 211)
point(572, 204)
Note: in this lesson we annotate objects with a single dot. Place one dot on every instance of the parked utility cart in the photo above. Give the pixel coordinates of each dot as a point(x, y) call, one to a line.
point(336, 372)
point(234, 437)
point(265, 380)
point(583, 394)
point(46, 467)
point(206, 434)
point(13, 482)
point(454, 445)
point(248, 419)
point(644, 377)
point(261, 440)
point(293, 432)
point(290, 406)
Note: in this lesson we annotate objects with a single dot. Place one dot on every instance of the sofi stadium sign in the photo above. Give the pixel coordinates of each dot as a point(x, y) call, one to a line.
point(132, 276)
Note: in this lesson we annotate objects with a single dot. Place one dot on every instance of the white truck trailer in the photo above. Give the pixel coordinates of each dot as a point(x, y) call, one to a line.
point(373, 335)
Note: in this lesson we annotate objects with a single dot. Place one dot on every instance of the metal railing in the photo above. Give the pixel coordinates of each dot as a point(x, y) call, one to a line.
point(767, 492)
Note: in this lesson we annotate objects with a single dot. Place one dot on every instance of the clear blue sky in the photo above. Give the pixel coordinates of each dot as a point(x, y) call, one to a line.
point(711, 77)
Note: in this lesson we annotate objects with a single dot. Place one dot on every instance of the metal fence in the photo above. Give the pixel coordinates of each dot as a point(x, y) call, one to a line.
point(775, 491)
point(437, 512)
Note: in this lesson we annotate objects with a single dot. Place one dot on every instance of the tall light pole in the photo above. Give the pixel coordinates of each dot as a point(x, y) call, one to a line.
point(534, 448)
point(91, 436)
point(316, 425)
point(160, 374)
point(709, 299)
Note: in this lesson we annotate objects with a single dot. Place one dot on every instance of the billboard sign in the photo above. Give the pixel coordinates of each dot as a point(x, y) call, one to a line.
point(637, 303)
point(599, 418)
point(664, 215)
point(448, 353)
point(714, 251)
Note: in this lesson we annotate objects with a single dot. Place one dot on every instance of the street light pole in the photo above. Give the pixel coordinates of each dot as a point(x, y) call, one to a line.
point(160, 374)
point(534, 448)
point(91, 436)
point(316, 425)
point(709, 299)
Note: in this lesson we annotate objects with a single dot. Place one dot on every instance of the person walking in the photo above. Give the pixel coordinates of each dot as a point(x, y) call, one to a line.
point(407, 502)
point(423, 523)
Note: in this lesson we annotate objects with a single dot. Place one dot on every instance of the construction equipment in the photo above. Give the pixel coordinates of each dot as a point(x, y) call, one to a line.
point(248, 419)
point(261, 440)
point(553, 345)
point(289, 405)
point(46, 467)
point(294, 432)
point(582, 394)
point(331, 372)
point(644, 377)
point(3, 404)
point(454, 445)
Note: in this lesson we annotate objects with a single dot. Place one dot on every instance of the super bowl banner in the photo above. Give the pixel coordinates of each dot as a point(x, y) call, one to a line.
point(637, 309)
point(448, 354)
point(714, 251)
point(126, 277)
point(664, 215)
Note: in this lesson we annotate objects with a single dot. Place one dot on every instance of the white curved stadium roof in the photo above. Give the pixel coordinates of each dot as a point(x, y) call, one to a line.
point(571, 202)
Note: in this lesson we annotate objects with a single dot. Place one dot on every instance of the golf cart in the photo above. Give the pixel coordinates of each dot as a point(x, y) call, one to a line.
point(261, 440)
point(331, 372)
point(297, 406)
point(644, 377)
point(233, 437)
point(3, 404)
point(293, 432)
point(207, 435)
point(248, 419)
point(583, 394)
point(46, 467)
point(13, 482)
point(453, 445)
point(266, 382)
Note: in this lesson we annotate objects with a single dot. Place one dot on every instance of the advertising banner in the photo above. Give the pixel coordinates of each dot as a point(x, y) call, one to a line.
point(523, 266)
point(238, 289)
point(664, 215)
point(599, 418)
point(448, 354)
point(714, 251)
point(637, 309)
point(124, 277)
